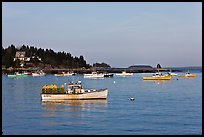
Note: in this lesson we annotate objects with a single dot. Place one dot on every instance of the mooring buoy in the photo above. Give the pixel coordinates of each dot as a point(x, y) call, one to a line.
point(132, 99)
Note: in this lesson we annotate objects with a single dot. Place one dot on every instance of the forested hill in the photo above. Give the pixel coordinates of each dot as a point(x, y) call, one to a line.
point(40, 57)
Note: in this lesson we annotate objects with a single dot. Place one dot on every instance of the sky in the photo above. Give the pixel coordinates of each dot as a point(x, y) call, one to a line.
point(120, 34)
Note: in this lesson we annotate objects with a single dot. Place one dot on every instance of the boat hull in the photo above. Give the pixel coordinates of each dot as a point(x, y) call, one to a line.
point(173, 74)
point(66, 74)
point(100, 94)
point(157, 78)
point(58, 75)
point(11, 76)
point(124, 74)
point(37, 75)
point(188, 76)
point(108, 75)
point(93, 76)
point(18, 76)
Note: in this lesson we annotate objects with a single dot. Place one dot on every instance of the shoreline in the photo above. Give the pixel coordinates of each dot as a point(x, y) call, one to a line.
point(83, 70)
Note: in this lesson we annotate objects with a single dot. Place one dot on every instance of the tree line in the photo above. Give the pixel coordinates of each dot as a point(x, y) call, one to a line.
point(48, 56)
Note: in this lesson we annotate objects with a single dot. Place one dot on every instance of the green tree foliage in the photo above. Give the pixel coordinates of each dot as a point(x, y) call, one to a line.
point(159, 66)
point(48, 56)
point(8, 56)
point(17, 63)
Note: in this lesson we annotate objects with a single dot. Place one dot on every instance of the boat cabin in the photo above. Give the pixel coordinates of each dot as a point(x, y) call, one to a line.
point(76, 88)
point(188, 73)
point(157, 74)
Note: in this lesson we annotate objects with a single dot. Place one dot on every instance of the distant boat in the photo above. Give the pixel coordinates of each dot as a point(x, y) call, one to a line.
point(27, 73)
point(124, 73)
point(158, 76)
point(38, 73)
point(188, 75)
point(74, 92)
point(65, 74)
point(107, 75)
point(17, 75)
point(94, 75)
point(172, 74)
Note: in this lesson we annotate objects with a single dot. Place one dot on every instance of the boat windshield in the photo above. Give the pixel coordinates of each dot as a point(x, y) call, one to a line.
point(157, 74)
point(75, 86)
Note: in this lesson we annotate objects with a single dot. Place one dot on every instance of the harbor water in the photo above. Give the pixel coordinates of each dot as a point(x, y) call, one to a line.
point(172, 107)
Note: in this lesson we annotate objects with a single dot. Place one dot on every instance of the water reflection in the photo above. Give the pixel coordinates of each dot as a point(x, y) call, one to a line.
point(158, 81)
point(72, 112)
point(74, 105)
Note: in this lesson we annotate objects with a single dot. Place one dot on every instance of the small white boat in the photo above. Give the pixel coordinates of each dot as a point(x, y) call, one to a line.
point(188, 75)
point(94, 75)
point(17, 75)
point(69, 74)
point(38, 73)
point(172, 74)
point(65, 74)
point(27, 73)
point(124, 73)
point(74, 92)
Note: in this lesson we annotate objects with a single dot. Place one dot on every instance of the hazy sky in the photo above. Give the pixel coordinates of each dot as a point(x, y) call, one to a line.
point(119, 34)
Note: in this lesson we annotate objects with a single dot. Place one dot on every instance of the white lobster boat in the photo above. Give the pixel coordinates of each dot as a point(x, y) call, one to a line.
point(74, 92)
point(38, 73)
point(94, 75)
point(124, 73)
point(65, 74)
point(172, 74)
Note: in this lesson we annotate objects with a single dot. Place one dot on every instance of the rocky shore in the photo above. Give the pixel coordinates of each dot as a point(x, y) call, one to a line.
point(84, 70)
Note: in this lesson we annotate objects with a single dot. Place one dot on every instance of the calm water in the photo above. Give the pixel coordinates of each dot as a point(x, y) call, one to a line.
point(169, 107)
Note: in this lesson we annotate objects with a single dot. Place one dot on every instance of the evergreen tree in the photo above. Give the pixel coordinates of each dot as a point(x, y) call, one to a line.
point(103, 65)
point(48, 56)
point(159, 66)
